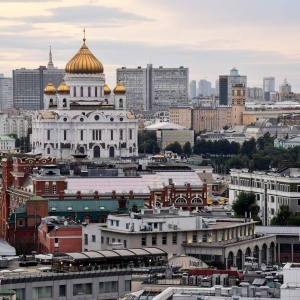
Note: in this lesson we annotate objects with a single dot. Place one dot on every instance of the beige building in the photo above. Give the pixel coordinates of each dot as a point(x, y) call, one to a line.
point(226, 241)
point(211, 118)
point(238, 103)
point(181, 116)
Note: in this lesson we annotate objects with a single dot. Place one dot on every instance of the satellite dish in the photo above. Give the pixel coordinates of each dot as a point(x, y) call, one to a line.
point(65, 223)
point(263, 267)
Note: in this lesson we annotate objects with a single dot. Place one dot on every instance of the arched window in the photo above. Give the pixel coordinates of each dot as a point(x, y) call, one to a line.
point(121, 103)
point(89, 91)
point(64, 102)
point(81, 150)
point(81, 92)
point(74, 91)
point(180, 200)
point(196, 200)
point(96, 92)
point(48, 150)
point(51, 102)
point(96, 151)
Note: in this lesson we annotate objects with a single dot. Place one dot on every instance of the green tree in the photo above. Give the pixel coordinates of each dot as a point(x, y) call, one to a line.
point(243, 203)
point(187, 148)
point(174, 147)
point(283, 215)
point(147, 142)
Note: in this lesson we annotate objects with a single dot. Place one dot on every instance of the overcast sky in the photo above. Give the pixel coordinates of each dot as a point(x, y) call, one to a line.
point(259, 37)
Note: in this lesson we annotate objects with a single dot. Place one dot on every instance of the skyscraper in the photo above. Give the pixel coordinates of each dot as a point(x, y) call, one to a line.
point(225, 85)
point(6, 93)
point(268, 86)
point(204, 88)
point(154, 88)
point(193, 89)
point(29, 84)
point(285, 88)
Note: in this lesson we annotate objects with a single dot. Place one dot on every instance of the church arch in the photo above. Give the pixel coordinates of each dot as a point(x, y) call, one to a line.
point(96, 152)
point(111, 151)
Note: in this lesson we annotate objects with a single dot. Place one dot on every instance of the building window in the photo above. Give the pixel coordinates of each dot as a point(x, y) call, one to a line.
point(154, 239)
point(144, 240)
point(204, 237)
point(89, 91)
point(107, 240)
point(184, 237)
point(128, 285)
point(42, 292)
point(174, 238)
point(96, 91)
point(130, 134)
point(111, 134)
point(20, 223)
point(109, 287)
point(86, 241)
point(96, 134)
point(81, 92)
point(102, 240)
point(82, 289)
point(194, 237)
point(46, 187)
point(125, 244)
point(81, 135)
point(164, 239)
point(48, 135)
point(299, 202)
point(93, 238)
point(62, 291)
point(121, 134)
point(48, 150)
point(53, 187)
point(65, 134)
point(74, 91)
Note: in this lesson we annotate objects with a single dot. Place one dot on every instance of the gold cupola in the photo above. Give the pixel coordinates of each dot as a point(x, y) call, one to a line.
point(84, 62)
point(107, 90)
point(120, 89)
point(50, 89)
point(63, 89)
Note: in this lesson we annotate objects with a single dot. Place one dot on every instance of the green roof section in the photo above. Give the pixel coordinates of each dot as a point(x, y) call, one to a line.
point(37, 198)
point(7, 292)
point(6, 138)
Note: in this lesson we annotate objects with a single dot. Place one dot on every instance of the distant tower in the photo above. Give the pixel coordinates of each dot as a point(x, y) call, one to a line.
point(238, 103)
point(285, 90)
point(193, 89)
point(50, 64)
point(268, 86)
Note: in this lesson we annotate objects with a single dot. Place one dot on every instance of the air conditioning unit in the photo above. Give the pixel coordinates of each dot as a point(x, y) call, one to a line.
point(185, 280)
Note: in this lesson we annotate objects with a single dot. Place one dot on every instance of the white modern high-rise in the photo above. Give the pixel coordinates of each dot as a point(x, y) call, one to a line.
point(268, 87)
point(154, 88)
point(193, 89)
point(28, 85)
point(6, 93)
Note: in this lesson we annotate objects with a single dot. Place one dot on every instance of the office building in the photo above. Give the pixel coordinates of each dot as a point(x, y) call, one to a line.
point(6, 93)
point(225, 85)
point(254, 93)
point(204, 88)
point(29, 84)
point(268, 86)
point(154, 88)
point(82, 115)
point(193, 89)
point(181, 116)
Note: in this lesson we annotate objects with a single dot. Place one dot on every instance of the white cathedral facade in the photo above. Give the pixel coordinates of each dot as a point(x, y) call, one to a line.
point(83, 116)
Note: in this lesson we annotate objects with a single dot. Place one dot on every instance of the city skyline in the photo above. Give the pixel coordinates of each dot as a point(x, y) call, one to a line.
point(257, 38)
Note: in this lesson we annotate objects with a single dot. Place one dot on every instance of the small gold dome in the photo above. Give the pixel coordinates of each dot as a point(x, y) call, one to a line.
point(84, 62)
point(50, 89)
point(120, 89)
point(107, 90)
point(63, 88)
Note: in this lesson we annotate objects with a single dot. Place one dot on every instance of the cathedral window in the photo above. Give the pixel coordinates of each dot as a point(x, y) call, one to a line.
point(81, 92)
point(121, 134)
point(48, 135)
point(65, 134)
point(96, 92)
point(48, 150)
point(121, 103)
point(81, 135)
point(74, 91)
point(96, 135)
point(89, 91)
point(130, 134)
point(64, 102)
point(111, 134)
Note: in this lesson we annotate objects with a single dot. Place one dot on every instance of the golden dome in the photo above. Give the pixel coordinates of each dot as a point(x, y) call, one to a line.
point(107, 90)
point(84, 62)
point(63, 88)
point(50, 89)
point(120, 89)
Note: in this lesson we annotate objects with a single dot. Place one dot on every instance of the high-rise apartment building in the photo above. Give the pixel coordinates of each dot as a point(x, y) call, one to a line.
point(204, 88)
point(29, 84)
point(254, 93)
point(268, 86)
point(6, 93)
point(225, 85)
point(154, 88)
point(193, 89)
